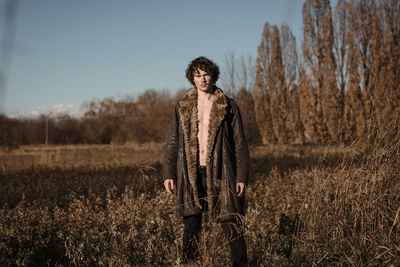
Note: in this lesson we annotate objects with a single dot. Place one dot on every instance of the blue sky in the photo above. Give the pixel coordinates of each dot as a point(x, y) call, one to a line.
point(69, 52)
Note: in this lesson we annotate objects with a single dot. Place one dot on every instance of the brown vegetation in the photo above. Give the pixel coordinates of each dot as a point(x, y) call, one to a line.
point(141, 120)
point(105, 205)
point(348, 85)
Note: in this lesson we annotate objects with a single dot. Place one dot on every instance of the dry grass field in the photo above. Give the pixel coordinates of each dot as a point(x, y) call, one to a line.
point(105, 205)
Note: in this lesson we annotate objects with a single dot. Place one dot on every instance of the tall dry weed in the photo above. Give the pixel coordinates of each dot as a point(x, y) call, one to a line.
point(306, 206)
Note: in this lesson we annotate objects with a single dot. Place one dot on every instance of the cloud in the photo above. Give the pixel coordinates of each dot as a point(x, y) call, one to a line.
point(70, 109)
point(64, 108)
point(73, 110)
point(35, 113)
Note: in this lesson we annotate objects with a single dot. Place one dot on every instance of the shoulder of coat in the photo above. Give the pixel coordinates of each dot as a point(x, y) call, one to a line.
point(189, 98)
point(233, 107)
point(220, 99)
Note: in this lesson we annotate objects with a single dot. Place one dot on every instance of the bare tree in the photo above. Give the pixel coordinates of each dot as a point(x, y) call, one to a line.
point(238, 78)
point(308, 113)
point(229, 73)
point(238, 73)
point(246, 72)
point(321, 66)
point(261, 92)
point(341, 48)
point(276, 78)
point(341, 44)
point(290, 63)
point(277, 88)
point(354, 104)
point(385, 67)
point(361, 20)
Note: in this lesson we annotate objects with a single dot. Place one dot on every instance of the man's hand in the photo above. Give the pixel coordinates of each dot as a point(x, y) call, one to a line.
point(240, 189)
point(169, 186)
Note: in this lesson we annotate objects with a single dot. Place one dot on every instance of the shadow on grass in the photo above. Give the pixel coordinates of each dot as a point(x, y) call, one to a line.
point(305, 158)
point(55, 185)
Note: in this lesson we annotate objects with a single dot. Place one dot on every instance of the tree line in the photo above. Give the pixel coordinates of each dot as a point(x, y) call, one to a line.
point(137, 120)
point(106, 121)
point(342, 87)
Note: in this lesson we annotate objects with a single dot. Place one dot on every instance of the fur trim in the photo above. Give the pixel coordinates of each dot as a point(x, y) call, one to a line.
point(217, 114)
point(189, 119)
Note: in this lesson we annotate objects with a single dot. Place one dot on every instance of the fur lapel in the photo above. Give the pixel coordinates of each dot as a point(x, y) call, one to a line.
point(217, 115)
point(189, 120)
point(188, 115)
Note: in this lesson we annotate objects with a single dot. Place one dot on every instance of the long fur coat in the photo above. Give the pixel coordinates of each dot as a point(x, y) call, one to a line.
point(227, 160)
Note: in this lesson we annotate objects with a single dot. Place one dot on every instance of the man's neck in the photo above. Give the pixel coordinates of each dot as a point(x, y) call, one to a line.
point(202, 95)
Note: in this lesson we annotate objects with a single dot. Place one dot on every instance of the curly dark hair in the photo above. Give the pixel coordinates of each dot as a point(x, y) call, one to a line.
point(204, 64)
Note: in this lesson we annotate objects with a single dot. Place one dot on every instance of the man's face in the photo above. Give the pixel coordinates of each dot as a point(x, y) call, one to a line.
point(202, 80)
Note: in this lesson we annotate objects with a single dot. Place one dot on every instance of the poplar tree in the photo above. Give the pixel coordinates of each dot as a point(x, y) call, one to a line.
point(341, 52)
point(321, 69)
point(276, 78)
point(347, 89)
point(386, 74)
point(261, 95)
point(291, 68)
point(360, 26)
point(277, 87)
point(355, 110)
point(307, 104)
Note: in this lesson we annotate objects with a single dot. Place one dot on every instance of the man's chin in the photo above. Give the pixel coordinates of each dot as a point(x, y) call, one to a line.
point(207, 89)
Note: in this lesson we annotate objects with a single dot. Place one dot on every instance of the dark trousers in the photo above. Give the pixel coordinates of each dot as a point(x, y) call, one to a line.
point(192, 228)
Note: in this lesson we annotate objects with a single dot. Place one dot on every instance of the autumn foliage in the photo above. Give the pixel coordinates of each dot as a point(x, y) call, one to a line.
point(347, 87)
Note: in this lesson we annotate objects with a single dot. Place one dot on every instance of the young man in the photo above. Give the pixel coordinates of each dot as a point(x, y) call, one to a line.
point(206, 160)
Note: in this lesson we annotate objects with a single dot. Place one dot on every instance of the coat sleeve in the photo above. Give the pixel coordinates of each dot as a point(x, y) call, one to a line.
point(171, 147)
point(241, 148)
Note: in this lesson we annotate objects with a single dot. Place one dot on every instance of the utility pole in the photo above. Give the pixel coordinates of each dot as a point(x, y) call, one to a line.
point(47, 130)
